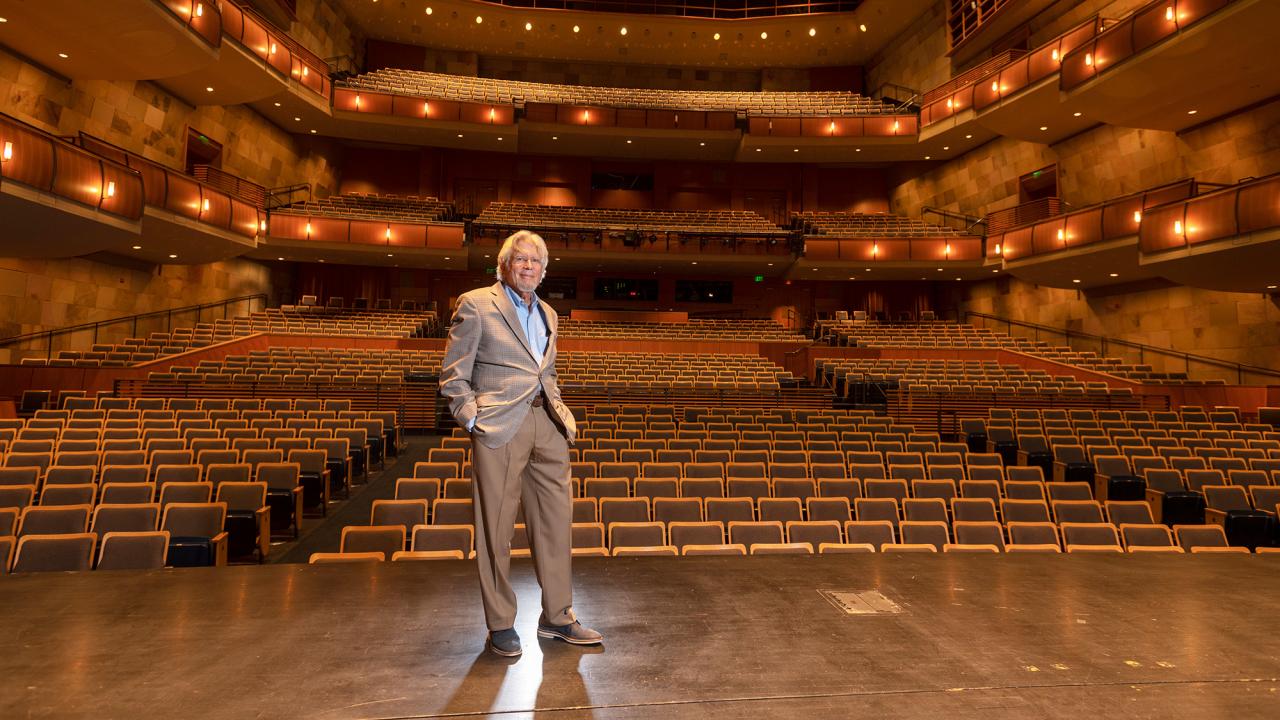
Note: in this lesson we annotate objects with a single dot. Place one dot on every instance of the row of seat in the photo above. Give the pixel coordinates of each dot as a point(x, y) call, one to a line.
point(855, 224)
point(516, 92)
point(568, 217)
point(373, 205)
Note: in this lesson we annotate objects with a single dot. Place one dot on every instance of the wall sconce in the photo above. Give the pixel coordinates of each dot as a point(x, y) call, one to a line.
point(1168, 13)
point(947, 251)
point(586, 116)
point(199, 9)
point(1177, 227)
point(308, 231)
point(1056, 57)
point(875, 249)
point(995, 86)
point(262, 226)
point(305, 70)
point(1062, 235)
point(1088, 59)
point(388, 233)
point(111, 188)
point(1137, 216)
point(272, 51)
point(7, 154)
point(895, 126)
point(357, 101)
point(426, 109)
point(999, 249)
point(204, 206)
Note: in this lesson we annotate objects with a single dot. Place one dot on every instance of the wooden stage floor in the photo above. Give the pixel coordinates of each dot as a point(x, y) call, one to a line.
point(945, 636)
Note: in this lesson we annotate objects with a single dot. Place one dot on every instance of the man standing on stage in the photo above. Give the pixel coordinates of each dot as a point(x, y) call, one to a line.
point(499, 374)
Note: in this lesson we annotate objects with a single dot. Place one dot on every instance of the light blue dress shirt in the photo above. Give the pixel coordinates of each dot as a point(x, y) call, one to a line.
point(535, 326)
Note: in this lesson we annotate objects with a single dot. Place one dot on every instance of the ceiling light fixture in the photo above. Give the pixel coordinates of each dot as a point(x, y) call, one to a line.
point(575, 28)
point(1077, 282)
point(1076, 114)
point(1043, 128)
point(1192, 112)
point(764, 36)
point(208, 89)
point(813, 32)
point(479, 19)
point(528, 26)
point(429, 11)
point(716, 36)
point(137, 247)
point(64, 56)
point(863, 28)
point(173, 256)
point(1115, 274)
point(622, 31)
point(968, 137)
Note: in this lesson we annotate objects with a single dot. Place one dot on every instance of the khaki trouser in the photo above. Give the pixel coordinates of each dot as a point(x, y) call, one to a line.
point(534, 467)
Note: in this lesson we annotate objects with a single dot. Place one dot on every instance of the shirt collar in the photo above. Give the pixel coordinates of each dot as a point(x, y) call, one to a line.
point(517, 300)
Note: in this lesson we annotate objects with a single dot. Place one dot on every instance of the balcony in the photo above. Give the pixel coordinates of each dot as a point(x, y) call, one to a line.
point(51, 188)
point(116, 40)
point(1173, 64)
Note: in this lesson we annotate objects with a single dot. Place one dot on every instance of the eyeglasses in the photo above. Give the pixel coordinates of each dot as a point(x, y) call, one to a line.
point(534, 261)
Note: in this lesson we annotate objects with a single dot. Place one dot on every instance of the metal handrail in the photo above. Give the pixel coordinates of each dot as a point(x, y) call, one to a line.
point(972, 221)
point(1142, 348)
point(278, 197)
point(96, 326)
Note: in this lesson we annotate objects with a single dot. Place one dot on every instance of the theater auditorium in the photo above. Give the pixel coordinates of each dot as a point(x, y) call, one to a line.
point(924, 355)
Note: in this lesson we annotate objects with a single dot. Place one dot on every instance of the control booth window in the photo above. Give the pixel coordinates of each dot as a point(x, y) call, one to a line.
point(559, 288)
point(626, 289)
point(704, 291)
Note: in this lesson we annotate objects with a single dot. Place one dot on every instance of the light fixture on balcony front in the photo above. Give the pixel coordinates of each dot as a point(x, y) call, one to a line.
point(1055, 54)
point(7, 154)
point(1088, 59)
point(1137, 216)
point(204, 206)
point(1168, 13)
point(388, 235)
point(111, 188)
point(199, 9)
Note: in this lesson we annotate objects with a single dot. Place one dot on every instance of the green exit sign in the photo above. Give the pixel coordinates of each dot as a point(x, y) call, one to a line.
point(759, 278)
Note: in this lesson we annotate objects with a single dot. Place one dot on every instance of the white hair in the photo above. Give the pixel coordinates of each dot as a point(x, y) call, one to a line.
point(509, 248)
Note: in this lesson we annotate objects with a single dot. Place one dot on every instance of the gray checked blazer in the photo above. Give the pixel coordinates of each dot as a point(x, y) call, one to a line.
point(489, 372)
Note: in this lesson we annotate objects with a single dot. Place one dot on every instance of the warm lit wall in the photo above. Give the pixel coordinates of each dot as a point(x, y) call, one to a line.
point(38, 295)
point(1098, 164)
point(1239, 327)
point(141, 117)
point(325, 29)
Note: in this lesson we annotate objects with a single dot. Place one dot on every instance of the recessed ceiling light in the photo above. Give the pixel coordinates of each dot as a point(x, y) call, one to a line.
point(757, 149)
point(172, 256)
point(1189, 112)
point(946, 147)
point(313, 131)
point(866, 270)
point(208, 89)
point(1076, 281)
point(390, 255)
point(716, 36)
point(764, 36)
point(928, 157)
point(277, 104)
point(995, 271)
point(459, 134)
point(622, 31)
point(857, 149)
point(448, 258)
point(795, 149)
point(1043, 128)
point(279, 258)
point(1076, 114)
point(770, 264)
point(297, 119)
point(64, 56)
point(575, 28)
point(628, 142)
point(968, 137)
point(557, 259)
point(1115, 274)
point(137, 247)
point(486, 256)
point(863, 28)
point(814, 269)
point(702, 144)
point(695, 262)
point(528, 26)
point(813, 31)
point(479, 19)
point(939, 269)
point(957, 278)
point(499, 139)
point(555, 137)
point(1271, 287)
point(321, 259)
point(4, 20)
point(429, 11)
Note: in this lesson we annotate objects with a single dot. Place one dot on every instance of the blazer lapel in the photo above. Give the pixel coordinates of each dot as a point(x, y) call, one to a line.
point(547, 315)
point(508, 311)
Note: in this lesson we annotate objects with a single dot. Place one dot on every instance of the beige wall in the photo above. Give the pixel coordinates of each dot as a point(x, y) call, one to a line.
point(324, 28)
point(1237, 327)
point(140, 116)
point(1098, 164)
point(40, 295)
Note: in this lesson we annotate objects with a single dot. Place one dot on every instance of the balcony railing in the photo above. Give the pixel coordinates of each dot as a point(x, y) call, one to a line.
point(1110, 220)
point(1012, 77)
point(1141, 29)
point(202, 17)
point(237, 187)
point(1024, 214)
point(183, 195)
point(719, 9)
point(891, 249)
point(41, 161)
point(1237, 210)
point(275, 48)
point(371, 233)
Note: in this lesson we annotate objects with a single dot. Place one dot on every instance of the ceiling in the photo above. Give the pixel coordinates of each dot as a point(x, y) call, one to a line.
point(650, 39)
